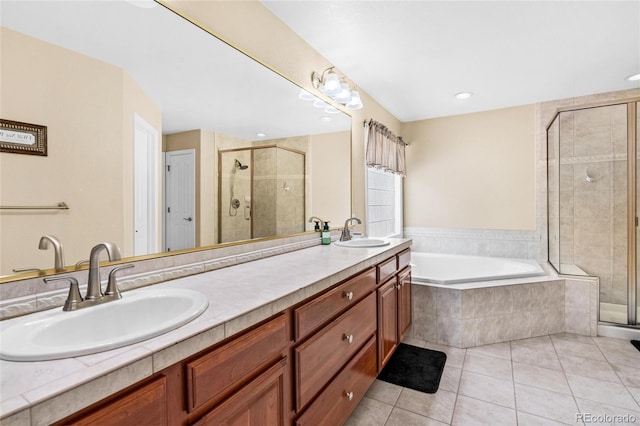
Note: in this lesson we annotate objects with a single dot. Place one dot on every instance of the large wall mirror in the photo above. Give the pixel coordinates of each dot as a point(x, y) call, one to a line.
point(160, 137)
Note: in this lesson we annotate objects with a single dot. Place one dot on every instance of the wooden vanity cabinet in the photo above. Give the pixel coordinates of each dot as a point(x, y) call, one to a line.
point(308, 365)
point(394, 304)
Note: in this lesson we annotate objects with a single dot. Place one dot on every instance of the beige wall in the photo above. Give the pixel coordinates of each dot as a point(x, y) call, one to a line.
point(251, 27)
point(87, 140)
point(473, 171)
point(327, 176)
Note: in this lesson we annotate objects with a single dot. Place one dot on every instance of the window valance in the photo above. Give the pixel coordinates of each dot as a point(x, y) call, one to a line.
point(384, 150)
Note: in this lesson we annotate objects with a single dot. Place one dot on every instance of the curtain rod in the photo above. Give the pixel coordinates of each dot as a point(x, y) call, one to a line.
point(371, 121)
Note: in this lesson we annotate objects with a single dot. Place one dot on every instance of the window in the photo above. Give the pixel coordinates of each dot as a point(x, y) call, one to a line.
point(384, 204)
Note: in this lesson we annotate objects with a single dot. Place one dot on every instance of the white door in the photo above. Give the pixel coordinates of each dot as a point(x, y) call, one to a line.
point(180, 181)
point(145, 181)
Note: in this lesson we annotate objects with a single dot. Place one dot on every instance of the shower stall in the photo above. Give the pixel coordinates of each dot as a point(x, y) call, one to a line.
point(261, 192)
point(592, 202)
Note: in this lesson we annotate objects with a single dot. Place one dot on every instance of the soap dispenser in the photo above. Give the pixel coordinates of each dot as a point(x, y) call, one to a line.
point(326, 234)
point(317, 227)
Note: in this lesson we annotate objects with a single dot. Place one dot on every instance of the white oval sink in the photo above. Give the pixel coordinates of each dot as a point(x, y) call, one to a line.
point(363, 243)
point(139, 315)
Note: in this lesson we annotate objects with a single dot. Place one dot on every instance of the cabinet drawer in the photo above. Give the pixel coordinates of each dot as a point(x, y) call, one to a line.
point(338, 400)
point(386, 269)
point(209, 376)
point(313, 314)
point(404, 259)
point(322, 356)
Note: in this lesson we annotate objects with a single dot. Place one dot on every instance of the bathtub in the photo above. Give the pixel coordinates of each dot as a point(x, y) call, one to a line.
point(453, 269)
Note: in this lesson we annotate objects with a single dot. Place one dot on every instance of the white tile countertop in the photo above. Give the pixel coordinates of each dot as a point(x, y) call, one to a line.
point(239, 296)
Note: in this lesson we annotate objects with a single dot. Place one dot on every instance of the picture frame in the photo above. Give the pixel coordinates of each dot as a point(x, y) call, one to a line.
point(23, 138)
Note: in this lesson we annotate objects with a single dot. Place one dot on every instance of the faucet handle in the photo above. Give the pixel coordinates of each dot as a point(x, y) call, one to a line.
point(112, 284)
point(74, 296)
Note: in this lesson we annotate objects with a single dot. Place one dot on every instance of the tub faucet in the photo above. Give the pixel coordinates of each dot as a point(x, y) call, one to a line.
point(57, 249)
point(94, 291)
point(346, 232)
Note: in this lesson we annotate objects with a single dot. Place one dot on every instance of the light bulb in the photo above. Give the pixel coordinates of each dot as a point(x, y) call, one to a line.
point(355, 102)
point(331, 86)
point(344, 95)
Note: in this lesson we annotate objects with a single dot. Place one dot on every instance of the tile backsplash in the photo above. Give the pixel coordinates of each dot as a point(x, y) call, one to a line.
point(30, 295)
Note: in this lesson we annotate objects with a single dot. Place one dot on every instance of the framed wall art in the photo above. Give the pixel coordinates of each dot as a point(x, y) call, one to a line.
point(23, 138)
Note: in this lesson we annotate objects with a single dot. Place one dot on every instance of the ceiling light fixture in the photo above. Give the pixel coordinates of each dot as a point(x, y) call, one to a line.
point(633, 77)
point(331, 85)
point(261, 135)
point(463, 95)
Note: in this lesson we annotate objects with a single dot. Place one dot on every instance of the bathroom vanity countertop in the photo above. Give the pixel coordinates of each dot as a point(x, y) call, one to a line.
point(239, 297)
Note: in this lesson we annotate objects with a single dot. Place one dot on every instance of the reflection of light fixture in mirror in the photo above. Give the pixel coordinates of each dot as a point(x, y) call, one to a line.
point(261, 135)
point(319, 103)
point(329, 84)
point(633, 77)
point(325, 118)
point(306, 96)
point(331, 110)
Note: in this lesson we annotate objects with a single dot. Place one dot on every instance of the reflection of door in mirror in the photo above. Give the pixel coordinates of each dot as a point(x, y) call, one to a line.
point(146, 205)
point(180, 215)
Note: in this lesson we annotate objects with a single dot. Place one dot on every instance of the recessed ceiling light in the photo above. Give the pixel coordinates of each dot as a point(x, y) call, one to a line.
point(633, 77)
point(331, 110)
point(261, 135)
point(325, 118)
point(463, 95)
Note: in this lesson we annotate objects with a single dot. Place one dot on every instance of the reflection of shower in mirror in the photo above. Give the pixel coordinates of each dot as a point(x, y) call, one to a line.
point(234, 203)
point(238, 166)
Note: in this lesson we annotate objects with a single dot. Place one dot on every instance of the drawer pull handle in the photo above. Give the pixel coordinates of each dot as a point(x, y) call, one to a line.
point(348, 338)
point(348, 295)
point(348, 395)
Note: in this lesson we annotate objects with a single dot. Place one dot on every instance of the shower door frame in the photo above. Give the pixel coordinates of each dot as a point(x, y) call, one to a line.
point(252, 149)
point(632, 208)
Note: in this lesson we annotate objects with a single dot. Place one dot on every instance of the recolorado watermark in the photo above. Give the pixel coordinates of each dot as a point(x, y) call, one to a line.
point(606, 418)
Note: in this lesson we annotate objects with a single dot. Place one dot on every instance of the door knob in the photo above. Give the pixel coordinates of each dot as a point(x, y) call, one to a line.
point(188, 219)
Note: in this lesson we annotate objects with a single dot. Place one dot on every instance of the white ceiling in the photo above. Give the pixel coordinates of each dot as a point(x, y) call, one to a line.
point(413, 56)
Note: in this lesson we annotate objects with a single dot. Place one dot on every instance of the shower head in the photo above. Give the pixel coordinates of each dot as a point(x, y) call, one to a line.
point(239, 166)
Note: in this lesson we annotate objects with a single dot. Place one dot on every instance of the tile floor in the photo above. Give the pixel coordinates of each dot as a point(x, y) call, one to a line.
point(549, 380)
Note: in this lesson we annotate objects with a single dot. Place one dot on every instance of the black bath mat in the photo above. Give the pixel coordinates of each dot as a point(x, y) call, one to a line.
point(636, 343)
point(414, 368)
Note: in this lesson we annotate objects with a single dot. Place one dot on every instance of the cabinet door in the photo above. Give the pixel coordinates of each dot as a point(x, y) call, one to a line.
point(146, 405)
point(387, 320)
point(258, 403)
point(404, 303)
